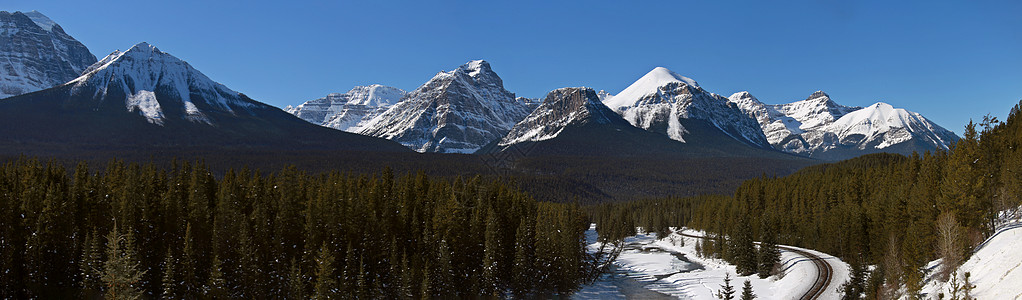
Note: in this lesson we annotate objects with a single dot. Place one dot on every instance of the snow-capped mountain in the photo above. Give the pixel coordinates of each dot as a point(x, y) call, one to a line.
point(663, 102)
point(561, 108)
point(348, 111)
point(144, 97)
point(158, 86)
point(820, 128)
point(454, 112)
point(36, 54)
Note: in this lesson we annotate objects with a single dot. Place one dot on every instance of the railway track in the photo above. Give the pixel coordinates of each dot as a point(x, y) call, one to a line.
point(824, 272)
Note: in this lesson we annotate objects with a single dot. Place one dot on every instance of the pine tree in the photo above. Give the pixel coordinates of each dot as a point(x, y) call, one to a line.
point(189, 272)
point(491, 258)
point(726, 291)
point(856, 285)
point(216, 286)
point(747, 293)
point(169, 282)
point(326, 285)
point(744, 250)
point(295, 282)
point(90, 265)
point(122, 274)
point(769, 256)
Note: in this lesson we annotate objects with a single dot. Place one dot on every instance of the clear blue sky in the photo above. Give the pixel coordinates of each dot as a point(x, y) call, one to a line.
point(950, 61)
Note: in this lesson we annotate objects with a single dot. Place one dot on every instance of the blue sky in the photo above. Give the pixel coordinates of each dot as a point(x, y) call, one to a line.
point(949, 60)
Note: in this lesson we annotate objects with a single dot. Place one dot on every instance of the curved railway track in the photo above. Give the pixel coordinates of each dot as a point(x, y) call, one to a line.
point(824, 272)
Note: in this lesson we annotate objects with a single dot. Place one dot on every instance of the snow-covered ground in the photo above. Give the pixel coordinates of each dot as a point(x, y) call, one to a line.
point(995, 267)
point(664, 268)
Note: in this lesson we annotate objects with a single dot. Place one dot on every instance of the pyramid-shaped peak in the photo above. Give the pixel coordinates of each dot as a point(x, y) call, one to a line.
point(663, 76)
point(742, 95)
point(818, 94)
point(648, 84)
point(144, 48)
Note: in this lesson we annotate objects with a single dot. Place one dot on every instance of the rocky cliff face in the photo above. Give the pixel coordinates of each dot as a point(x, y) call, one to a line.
point(348, 111)
point(454, 112)
point(36, 53)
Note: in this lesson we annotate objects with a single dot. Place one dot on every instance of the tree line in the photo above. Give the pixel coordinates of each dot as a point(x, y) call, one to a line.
point(135, 231)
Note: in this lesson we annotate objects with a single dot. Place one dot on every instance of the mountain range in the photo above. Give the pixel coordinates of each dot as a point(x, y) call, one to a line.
point(144, 96)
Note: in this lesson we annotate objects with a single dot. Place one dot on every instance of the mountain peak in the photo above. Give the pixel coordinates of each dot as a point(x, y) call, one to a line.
point(648, 84)
point(743, 95)
point(818, 94)
point(475, 67)
point(562, 108)
point(152, 81)
point(41, 20)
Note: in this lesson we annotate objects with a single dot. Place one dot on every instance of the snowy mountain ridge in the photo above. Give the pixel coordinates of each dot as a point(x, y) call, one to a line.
point(458, 111)
point(348, 111)
point(561, 108)
point(36, 54)
point(153, 82)
point(661, 100)
point(817, 125)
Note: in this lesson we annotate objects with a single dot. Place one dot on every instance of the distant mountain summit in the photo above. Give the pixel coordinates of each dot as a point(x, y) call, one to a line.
point(454, 112)
point(36, 54)
point(818, 127)
point(159, 87)
point(560, 109)
point(348, 111)
point(144, 97)
point(667, 103)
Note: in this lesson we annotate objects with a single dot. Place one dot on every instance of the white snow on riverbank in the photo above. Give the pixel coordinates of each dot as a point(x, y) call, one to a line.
point(649, 265)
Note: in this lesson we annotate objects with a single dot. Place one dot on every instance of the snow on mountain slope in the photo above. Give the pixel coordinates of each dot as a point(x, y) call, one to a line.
point(817, 126)
point(659, 100)
point(561, 108)
point(36, 54)
point(153, 83)
point(454, 112)
point(884, 125)
point(995, 268)
point(348, 111)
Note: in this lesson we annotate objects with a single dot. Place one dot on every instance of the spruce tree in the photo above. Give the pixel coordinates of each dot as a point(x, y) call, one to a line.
point(744, 250)
point(747, 293)
point(90, 265)
point(326, 285)
point(122, 274)
point(295, 281)
point(216, 286)
point(726, 291)
point(169, 281)
point(769, 256)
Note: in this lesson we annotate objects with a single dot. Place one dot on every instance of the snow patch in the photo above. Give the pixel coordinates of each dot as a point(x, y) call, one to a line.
point(146, 104)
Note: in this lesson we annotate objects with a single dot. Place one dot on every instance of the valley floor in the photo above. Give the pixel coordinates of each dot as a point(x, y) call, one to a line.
point(668, 268)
